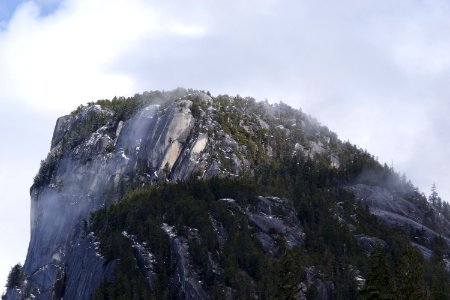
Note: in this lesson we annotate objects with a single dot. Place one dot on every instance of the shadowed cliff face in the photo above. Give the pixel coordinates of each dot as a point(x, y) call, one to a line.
point(95, 173)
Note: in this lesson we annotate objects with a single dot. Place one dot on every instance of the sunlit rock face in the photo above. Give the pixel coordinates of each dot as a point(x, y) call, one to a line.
point(157, 143)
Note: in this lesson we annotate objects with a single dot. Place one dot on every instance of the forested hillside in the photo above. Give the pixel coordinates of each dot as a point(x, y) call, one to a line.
point(229, 252)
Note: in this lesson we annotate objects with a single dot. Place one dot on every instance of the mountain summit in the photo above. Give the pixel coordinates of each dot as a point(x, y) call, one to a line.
point(183, 195)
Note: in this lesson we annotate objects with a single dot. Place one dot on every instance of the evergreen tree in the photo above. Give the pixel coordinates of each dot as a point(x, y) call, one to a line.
point(434, 197)
point(16, 277)
point(440, 289)
point(379, 283)
point(288, 276)
point(344, 278)
point(410, 285)
point(446, 210)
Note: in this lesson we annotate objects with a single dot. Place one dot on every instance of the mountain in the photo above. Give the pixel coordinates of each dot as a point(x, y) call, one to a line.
point(183, 195)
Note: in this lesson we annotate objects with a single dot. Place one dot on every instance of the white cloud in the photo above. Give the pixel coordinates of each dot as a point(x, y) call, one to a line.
point(63, 59)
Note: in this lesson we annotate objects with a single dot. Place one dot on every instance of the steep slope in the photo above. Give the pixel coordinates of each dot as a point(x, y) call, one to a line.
point(106, 149)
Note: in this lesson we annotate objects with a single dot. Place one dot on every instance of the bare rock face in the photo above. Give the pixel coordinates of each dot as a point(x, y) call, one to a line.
point(185, 279)
point(273, 217)
point(398, 212)
point(370, 243)
point(93, 161)
point(313, 278)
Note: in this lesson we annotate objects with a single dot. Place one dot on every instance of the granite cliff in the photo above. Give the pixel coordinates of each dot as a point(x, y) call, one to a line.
point(102, 151)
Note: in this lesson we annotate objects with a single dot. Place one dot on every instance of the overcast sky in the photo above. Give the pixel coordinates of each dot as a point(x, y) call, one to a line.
point(375, 72)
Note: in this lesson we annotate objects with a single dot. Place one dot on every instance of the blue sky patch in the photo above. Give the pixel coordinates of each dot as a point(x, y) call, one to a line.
point(8, 7)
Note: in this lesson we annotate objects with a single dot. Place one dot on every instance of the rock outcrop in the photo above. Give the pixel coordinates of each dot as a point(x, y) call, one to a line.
point(93, 161)
point(398, 212)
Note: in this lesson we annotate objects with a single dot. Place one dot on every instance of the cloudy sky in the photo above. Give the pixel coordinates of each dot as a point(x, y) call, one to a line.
point(376, 72)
